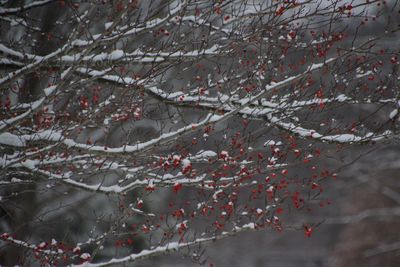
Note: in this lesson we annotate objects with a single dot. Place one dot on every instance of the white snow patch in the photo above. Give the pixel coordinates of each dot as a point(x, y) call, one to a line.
point(11, 139)
point(393, 113)
point(116, 54)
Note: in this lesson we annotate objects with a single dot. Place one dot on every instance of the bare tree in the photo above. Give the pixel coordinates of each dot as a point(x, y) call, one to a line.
point(131, 129)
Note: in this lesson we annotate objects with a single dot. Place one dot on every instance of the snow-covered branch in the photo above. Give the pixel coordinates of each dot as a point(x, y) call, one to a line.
point(168, 248)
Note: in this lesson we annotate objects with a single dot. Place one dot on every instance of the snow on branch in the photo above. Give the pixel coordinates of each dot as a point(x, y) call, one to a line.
point(4, 124)
point(168, 248)
point(15, 74)
point(337, 138)
point(144, 57)
point(40, 248)
point(54, 136)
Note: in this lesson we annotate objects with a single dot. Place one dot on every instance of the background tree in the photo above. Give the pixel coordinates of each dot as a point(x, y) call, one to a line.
point(131, 129)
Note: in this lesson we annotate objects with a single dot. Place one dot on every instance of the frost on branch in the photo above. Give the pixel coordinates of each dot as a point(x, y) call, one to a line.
point(140, 128)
